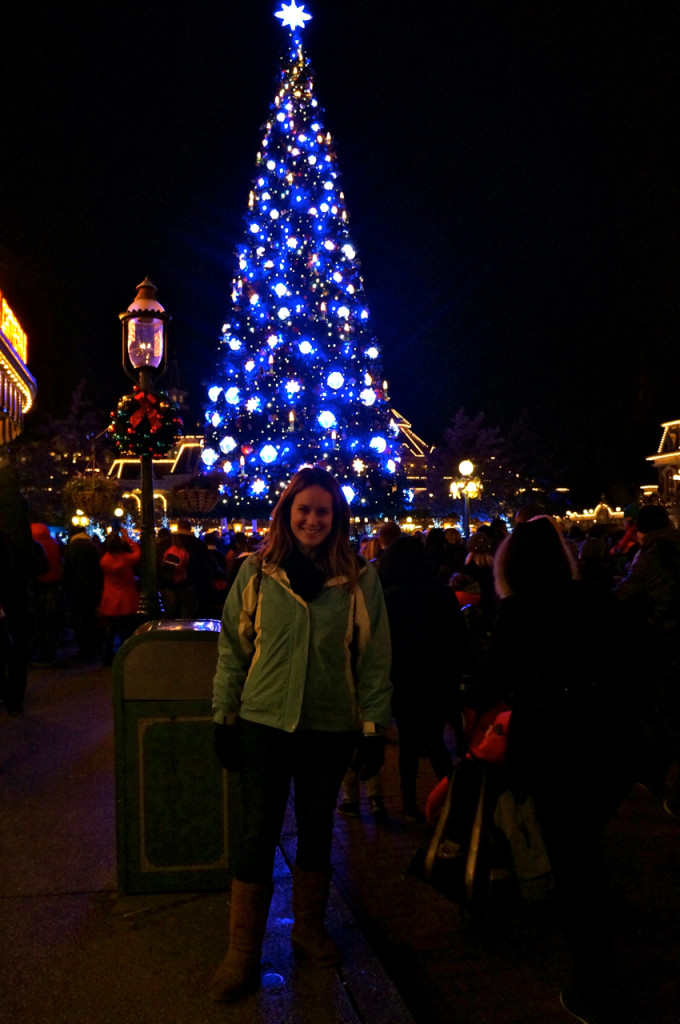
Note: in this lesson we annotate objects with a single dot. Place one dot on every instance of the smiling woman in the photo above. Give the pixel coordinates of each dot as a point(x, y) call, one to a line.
point(302, 682)
point(311, 518)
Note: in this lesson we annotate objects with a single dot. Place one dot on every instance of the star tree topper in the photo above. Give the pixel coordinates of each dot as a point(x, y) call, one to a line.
point(293, 16)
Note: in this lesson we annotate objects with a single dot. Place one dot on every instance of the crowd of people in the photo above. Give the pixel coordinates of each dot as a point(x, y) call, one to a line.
point(55, 586)
point(575, 636)
point(325, 641)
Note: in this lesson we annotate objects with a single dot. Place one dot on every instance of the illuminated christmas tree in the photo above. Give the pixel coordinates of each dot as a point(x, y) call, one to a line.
point(299, 375)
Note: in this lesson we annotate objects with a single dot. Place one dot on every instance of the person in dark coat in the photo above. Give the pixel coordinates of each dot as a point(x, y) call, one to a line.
point(82, 582)
point(479, 567)
point(560, 658)
point(16, 575)
point(650, 592)
point(437, 550)
point(428, 637)
point(190, 594)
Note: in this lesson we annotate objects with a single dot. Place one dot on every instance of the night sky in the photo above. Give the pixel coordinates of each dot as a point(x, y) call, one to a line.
point(508, 169)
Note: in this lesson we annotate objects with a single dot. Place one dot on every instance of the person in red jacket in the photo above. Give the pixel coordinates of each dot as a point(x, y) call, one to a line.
point(120, 594)
point(47, 597)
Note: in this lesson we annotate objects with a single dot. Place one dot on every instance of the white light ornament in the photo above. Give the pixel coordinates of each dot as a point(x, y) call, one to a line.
point(209, 456)
point(349, 492)
point(268, 453)
point(305, 347)
point(327, 419)
point(227, 444)
point(372, 352)
point(367, 396)
point(335, 380)
point(232, 396)
point(214, 393)
point(379, 444)
point(293, 16)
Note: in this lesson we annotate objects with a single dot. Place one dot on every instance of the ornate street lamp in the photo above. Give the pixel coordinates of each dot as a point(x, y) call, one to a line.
point(466, 469)
point(145, 358)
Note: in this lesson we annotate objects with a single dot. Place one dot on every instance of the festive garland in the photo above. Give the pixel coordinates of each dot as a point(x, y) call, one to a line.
point(145, 423)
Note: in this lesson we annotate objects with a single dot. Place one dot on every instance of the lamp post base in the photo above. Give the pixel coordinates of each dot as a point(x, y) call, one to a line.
point(150, 607)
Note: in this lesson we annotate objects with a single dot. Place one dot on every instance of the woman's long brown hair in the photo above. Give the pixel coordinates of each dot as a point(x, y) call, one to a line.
point(335, 556)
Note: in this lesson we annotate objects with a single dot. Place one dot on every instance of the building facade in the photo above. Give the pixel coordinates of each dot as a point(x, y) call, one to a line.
point(667, 464)
point(17, 386)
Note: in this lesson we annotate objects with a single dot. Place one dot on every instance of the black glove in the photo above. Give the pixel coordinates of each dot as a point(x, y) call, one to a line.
point(369, 756)
point(5, 634)
point(227, 746)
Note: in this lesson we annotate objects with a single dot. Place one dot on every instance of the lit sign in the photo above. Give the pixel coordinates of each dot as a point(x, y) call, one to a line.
point(11, 328)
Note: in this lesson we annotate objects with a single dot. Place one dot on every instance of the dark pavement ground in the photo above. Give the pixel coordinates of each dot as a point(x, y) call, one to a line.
point(72, 951)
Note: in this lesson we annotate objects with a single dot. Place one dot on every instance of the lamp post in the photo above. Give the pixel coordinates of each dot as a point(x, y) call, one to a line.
point(145, 357)
point(466, 469)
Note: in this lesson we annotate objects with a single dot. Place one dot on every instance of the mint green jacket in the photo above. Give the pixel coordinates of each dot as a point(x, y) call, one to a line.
point(292, 664)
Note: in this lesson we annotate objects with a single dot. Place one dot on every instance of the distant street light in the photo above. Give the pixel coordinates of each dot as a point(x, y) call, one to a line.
point(468, 486)
point(145, 357)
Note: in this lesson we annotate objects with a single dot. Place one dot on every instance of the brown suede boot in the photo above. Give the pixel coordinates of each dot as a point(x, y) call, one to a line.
point(309, 936)
point(239, 972)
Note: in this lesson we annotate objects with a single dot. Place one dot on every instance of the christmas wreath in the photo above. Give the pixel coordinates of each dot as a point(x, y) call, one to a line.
point(145, 423)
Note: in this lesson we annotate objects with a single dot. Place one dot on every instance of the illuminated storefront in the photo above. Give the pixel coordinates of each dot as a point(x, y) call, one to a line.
point(17, 387)
point(667, 463)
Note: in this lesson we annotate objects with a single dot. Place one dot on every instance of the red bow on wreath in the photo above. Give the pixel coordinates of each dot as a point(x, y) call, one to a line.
point(147, 401)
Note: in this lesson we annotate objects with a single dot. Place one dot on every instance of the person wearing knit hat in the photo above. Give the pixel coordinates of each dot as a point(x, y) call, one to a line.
point(479, 566)
point(651, 592)
point(478, 543)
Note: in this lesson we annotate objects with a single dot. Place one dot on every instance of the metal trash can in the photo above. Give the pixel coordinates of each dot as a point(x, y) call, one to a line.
point(171, 794)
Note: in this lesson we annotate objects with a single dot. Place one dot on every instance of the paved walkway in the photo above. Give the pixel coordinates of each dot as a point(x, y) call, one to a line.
point(73, 952)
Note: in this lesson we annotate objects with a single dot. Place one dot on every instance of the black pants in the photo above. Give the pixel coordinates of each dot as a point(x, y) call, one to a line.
point(572, 820)
point(47, 621)
point(15, 652)
point(420, 734)
point(270, 759)
point(122, 626)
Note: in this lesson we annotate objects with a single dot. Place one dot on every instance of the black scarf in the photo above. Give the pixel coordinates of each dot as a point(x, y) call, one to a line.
point(306, 579)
